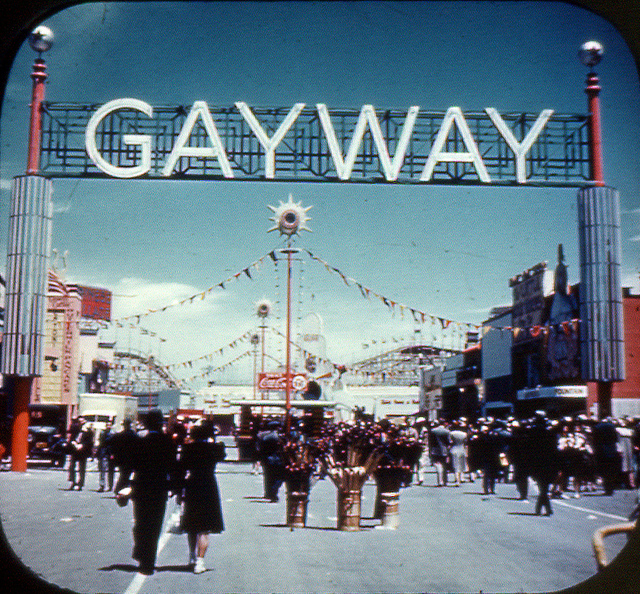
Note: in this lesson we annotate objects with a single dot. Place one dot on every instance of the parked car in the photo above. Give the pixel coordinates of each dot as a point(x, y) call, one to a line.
point(46, 443)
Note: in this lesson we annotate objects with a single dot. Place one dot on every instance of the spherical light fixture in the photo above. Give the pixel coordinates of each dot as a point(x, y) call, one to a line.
point(289, 217)
point(591, 53)
point(41, 39)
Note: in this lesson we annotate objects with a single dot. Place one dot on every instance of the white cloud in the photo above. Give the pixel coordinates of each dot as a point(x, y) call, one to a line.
point(134, 296)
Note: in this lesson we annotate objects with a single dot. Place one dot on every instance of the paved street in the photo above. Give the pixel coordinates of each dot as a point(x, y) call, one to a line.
point(449, 540)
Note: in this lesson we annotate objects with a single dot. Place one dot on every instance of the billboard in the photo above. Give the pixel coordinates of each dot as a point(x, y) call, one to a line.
point(278, 381)
point(96, 303)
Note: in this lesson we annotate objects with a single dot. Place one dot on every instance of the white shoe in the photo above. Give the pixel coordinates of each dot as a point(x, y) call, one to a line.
point(199, 568)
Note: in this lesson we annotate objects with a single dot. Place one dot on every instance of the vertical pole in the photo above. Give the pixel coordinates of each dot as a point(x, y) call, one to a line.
point(262, 394)
point(255, 371)
point(22, 385)
point(288, 372)
point(38, 75)
point(592, 90)
point(20, 429)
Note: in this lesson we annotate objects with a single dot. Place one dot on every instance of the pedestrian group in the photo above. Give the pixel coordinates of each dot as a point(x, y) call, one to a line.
point(155, 462)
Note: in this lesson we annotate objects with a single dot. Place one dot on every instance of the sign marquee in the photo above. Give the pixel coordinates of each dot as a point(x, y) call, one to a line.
point(128, 138)
point(278, 381)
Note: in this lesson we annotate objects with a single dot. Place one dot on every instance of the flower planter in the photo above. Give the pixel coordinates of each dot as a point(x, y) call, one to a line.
point(389, 503)
point(297, 502)
point(388, 480)
point(349, 509)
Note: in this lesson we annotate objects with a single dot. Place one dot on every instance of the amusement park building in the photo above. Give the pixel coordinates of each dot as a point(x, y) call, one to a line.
point(530, 356)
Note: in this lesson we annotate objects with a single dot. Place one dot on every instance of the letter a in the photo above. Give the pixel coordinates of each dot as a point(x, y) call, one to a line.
point(182, 149)
point(454, 115)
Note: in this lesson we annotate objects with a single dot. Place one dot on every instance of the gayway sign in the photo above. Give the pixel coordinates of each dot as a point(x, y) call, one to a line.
point(130, 139)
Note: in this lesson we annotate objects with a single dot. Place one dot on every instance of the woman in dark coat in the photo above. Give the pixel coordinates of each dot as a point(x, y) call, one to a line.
point(202, 511)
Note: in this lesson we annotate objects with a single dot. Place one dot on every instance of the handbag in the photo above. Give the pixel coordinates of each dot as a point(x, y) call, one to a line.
point(123, 496)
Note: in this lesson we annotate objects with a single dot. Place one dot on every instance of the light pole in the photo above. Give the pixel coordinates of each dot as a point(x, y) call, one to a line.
point(601, 312)
point(40, 40)
point(289, 218)
point(591, 55)
point(289, 251)
point(263, 311)
point(255, 339)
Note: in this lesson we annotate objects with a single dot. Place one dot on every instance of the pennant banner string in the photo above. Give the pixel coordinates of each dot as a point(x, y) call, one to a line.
point(246, 271)
point(391, 304)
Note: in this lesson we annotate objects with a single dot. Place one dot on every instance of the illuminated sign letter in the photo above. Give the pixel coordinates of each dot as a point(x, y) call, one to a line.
point(520, 150)
point(182, 149)
point(141, 140)
point(269, 144)
point(367, 116)
point(454, 115)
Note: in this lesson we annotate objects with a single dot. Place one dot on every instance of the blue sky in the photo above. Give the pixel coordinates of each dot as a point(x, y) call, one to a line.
point(447, 251)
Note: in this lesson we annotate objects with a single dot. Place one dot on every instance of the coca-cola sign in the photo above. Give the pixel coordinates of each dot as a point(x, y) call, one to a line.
point(278, 381)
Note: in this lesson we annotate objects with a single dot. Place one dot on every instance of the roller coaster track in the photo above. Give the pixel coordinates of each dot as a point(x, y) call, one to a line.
point(137, 372)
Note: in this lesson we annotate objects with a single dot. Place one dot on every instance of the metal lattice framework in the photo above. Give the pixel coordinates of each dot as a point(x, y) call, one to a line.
point(399, 367)
point(559, 157)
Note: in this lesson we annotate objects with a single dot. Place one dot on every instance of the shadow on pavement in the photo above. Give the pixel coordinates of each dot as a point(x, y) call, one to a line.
point(130, 567)
point(178, 568)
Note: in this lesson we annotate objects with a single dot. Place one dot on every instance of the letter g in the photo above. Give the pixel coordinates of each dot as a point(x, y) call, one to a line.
point(141, 140)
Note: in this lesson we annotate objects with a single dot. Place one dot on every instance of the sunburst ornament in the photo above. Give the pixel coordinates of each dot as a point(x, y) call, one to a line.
point(263, 308)
point(289, 217)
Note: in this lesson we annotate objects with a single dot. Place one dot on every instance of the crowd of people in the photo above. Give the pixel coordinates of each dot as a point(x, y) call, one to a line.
point(565, 457)
point(155, 460)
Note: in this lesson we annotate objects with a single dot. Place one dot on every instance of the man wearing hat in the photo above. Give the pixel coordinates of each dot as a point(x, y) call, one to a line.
point(154, 463)
point(269, 447)
point(80, 449)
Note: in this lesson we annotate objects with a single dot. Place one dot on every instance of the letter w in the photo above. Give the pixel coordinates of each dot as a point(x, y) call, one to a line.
point(343, 166)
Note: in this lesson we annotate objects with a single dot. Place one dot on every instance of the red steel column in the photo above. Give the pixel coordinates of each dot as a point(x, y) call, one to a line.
point(592, 90)
point(288, 375)
point(39, 75)
point(22, 385)
point(20, 429)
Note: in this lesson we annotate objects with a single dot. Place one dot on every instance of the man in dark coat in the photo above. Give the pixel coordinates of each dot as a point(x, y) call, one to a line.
point(154, 462)
point(489, 444)
point(439, 445)
point(269, 448)
point(520, 456)
point(80, 449)
point(605, 446)
point(543, 442)
point(121, 445)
